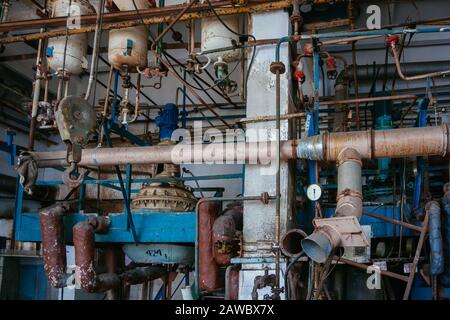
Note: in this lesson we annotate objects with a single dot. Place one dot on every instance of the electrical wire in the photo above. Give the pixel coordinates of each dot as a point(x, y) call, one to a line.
point(288, 268)
point(226, 26)
point(195, 180)
point(240, 35)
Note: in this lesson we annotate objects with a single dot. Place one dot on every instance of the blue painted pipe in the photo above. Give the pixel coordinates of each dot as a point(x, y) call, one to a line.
point(435, 238)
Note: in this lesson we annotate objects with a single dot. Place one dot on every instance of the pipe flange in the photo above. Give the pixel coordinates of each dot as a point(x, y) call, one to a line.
point(277, 66)
point(348, 154)
point(348, 193)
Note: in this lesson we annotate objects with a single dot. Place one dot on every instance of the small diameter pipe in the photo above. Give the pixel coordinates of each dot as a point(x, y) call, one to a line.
point(36, 94)
point(417, 77)
point(278, 182)
point(101, 4)
point(172, 23)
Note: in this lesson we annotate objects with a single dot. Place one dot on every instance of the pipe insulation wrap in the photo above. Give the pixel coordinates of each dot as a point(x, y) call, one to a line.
point(445, 277)
point(435, 238)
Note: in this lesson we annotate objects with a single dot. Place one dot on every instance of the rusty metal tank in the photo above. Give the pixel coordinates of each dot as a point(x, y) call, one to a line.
point(128, 47)
point(75, 61)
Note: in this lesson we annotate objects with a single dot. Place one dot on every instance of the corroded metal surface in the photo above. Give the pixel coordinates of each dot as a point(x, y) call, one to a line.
point(53, 245)
point(226, 234)
point(144, 274)
point(84, 243)
point(208, 270)
point(171, 196)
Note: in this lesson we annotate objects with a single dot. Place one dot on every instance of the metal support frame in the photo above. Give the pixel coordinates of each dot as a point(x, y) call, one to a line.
point(9, 147)
point(408, 279)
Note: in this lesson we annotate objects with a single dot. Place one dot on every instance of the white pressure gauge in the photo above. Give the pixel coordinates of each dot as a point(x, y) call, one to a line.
point(314, 192)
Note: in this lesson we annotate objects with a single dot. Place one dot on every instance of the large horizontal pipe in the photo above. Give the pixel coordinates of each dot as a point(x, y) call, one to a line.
point(369, 144)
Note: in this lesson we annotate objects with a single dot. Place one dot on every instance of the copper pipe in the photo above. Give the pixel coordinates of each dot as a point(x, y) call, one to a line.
point(208, 269)
point(84, 244)
point(53, 244)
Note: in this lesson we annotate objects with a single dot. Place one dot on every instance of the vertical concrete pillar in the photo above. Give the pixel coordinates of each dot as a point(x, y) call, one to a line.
point(259, 219)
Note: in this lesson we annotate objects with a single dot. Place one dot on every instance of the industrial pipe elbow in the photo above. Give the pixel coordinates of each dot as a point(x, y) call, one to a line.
point(53, 244)
point(84, 243)
point(319, 245)
point(330, 232)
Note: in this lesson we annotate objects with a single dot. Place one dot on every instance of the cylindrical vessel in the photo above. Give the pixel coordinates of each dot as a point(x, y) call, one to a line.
point(216, 36)
point(128, 47)
point(76, 49)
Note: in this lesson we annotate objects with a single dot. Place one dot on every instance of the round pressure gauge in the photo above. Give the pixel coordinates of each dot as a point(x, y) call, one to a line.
point(314, 192)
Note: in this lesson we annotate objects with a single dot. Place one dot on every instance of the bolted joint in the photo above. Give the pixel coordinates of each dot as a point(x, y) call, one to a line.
point(277, 67)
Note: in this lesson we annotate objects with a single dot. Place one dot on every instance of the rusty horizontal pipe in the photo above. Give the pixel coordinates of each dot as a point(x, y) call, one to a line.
point(165, 17)
point(107, 17)
point(272, 118)
point(394, 143)
point(393, 221)
point(369, 99)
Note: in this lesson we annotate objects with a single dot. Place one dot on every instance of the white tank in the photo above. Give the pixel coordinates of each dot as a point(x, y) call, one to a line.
point(215, 36)
point(129, 46)
point(76, 44)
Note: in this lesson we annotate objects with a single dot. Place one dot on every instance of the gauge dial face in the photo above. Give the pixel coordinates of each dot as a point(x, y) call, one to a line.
point(314, 192)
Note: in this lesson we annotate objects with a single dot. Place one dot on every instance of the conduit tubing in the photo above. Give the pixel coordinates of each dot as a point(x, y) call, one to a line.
point(394, 143)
